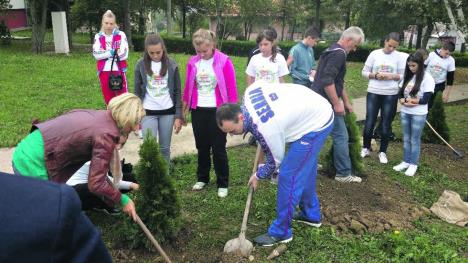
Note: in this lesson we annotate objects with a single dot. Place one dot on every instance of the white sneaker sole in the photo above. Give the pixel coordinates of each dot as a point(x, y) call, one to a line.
point(308, 223)
point(281, 242)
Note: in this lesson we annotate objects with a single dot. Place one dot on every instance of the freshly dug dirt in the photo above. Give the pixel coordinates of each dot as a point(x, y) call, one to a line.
point(375, 205)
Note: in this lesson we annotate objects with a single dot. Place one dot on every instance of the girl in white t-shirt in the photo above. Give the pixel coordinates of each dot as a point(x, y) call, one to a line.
point(157, 84)
point(269, 65)
point(417, 89)
point(384, 68)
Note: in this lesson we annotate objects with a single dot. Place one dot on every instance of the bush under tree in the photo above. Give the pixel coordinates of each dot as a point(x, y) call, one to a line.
point(436, 118)
point(156, 201)
point(354, 145)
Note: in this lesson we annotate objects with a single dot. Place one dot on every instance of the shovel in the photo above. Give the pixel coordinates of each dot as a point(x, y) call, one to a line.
point(457, 153)
point(240, 244)
point(152, 239)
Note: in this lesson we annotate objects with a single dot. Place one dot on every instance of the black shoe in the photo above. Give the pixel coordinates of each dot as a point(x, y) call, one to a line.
point(301, 219)
point(108, 210)
point(376, 136)
point(266, 240)
point(252, 141)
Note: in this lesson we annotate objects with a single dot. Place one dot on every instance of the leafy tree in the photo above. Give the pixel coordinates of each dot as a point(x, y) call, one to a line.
point(4, 5)
point(436, 118)
point(157, 202)
point(38, 17)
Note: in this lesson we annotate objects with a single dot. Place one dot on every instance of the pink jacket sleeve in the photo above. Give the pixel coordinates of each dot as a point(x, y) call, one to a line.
point(230, 79)
point(188, 71)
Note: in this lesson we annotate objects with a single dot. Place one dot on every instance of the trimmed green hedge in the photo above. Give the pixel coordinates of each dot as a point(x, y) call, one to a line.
point(242, 48)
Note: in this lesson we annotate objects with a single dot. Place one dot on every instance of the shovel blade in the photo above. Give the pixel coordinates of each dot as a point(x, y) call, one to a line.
point(240, 246)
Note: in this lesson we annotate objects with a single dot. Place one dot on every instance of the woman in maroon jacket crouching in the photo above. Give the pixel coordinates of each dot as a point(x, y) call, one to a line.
point(57, 148)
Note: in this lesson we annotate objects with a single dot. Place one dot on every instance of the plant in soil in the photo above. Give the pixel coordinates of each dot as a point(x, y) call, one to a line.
point(157, 201)
point(436, 118)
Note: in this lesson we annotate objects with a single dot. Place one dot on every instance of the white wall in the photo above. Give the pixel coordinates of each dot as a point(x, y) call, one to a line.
point(17, 4)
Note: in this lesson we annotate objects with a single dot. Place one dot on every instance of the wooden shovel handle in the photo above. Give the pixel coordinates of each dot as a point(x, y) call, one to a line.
point(440, 137)
point(152, 239)
point(249, 196)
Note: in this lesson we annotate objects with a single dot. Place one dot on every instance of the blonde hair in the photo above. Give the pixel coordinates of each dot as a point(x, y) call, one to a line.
point(202, 36)
point(127, 111)
point(354, 33)
point(109, 14)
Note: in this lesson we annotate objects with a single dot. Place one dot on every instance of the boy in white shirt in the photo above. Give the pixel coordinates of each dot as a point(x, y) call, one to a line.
point(441, 65)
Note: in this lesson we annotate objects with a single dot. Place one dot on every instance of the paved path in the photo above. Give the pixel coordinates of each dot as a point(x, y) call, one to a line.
point(184, 143)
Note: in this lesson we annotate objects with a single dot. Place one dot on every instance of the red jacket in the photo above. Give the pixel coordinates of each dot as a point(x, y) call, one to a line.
point(76, 137)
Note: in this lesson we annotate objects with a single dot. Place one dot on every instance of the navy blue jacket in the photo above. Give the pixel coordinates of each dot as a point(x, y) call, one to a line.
point(331, 70)
point(41, 221)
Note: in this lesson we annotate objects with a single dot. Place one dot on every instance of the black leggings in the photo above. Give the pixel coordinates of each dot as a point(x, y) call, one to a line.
point(208, 137)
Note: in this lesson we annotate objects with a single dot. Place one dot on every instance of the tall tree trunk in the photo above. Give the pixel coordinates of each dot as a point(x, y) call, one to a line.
point(184, 18)
point(38, 12)
point(418, 39)
point(429, 28)
point(168, 16)
point(126, 22)
point(142, 19)
point(410, 44)
point(66, 8)
point(348, 17)
point(283, 23)
point(218, 17)
point(317, 16)
point(293, 29)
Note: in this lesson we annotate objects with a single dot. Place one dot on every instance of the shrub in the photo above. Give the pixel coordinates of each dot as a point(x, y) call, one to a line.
point(157, 202)
point(354, 145)
point(436, 118)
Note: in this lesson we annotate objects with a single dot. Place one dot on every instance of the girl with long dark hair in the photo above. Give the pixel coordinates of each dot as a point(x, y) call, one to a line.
point(157, 83)
point(415, 93)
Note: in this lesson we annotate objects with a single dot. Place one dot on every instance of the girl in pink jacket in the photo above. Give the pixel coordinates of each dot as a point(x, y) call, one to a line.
point(210, 82)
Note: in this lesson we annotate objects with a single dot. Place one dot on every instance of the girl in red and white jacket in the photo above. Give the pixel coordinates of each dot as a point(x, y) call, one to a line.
point(109, 41)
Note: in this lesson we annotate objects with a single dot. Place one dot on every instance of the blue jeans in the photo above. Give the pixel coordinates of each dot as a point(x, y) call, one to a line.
point(387, 105)
point(161, 128)
point(296, 183)
point(412, 129)
point(341, 158)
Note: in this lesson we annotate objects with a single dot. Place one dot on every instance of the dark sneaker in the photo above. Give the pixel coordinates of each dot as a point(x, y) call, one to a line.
point(301, 219)
point(108, 210)
point(252, 141)
point(266, 240)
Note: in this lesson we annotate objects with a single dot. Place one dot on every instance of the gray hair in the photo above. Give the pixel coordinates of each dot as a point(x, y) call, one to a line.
point(354, 33)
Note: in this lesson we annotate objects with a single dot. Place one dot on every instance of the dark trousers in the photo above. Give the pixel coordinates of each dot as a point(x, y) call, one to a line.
point(88, 199)
point(439, 87)
point(386, 104)
point(208, 137)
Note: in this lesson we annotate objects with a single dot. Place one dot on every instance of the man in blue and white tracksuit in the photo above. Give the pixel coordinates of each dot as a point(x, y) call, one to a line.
point(277, 114)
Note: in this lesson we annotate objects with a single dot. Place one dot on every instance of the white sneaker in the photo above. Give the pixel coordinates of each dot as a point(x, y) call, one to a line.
point(222, 192)
point(198, 186)
point(402, 166)
point(140, 134)
point(383, 157)
point(348, 179)
point(411, 170)
point(365, 152)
